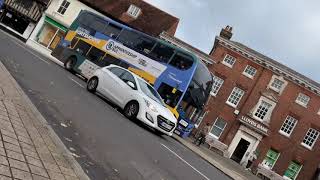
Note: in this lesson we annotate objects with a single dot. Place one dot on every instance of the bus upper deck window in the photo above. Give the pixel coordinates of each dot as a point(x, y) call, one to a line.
point(181, 61)
point(112, 30)
point(162, 53)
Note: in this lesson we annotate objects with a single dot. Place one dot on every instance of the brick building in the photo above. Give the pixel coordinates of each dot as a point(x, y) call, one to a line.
point(138, 14)
point(260, 109)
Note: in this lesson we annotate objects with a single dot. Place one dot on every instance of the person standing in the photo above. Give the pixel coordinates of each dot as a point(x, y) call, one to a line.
point(202, 136)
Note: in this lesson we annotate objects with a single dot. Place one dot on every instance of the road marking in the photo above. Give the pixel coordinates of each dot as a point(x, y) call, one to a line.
point(30, 51)
point(76, 82)
point(185, 162)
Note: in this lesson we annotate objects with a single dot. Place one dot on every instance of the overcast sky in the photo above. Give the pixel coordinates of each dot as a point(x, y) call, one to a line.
point(287, 30)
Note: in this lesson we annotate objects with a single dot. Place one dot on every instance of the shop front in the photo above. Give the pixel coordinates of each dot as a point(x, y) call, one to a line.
point(21, 16)
point(244, 144)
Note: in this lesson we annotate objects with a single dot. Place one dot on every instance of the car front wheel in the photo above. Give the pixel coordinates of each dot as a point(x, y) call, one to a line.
point(131, 110)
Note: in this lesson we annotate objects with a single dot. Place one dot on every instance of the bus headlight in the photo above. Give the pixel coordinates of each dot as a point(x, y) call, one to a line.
point(151, 106)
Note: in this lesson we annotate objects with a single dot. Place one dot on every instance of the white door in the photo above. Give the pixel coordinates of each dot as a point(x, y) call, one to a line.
point(124, 90)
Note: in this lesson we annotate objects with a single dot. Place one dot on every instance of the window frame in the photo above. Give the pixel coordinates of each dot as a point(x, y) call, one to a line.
point(298, 101)
point(62, 9)
point(275, 160)
point(214, 125)
point(258, 107)
point(297, 172)
point(245, 73)
point(133, 11)
point(231, 94)
point(269, 113)
point(214, 78)
point(283, 124)
point(226, 59)
point(274, 83)
point(313, 143)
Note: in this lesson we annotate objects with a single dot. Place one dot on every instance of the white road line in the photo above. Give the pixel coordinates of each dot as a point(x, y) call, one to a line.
point(76, 82)
point(29, 51)
point(185, 162)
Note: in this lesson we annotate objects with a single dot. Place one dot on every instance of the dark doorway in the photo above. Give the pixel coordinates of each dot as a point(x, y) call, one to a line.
point(240, 150)
point(15, 22)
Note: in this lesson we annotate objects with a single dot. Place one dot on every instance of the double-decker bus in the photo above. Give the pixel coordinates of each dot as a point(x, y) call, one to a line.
point(93, 42)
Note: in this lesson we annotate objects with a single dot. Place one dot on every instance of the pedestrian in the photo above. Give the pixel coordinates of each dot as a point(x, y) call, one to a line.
point(202, 136)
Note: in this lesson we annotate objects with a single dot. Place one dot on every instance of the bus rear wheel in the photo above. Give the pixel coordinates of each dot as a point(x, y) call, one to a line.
point(70, 63)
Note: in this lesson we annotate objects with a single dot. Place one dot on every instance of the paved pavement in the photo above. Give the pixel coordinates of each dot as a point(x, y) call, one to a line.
point(226, 165)
point(106, 144)
point(29, 149)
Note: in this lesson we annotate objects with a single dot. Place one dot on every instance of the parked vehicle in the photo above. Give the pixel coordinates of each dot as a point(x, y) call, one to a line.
point(135, 96)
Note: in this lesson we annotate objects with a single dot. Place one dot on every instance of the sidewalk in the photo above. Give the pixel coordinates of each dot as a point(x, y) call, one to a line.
point(226, 165)
point(29, 148)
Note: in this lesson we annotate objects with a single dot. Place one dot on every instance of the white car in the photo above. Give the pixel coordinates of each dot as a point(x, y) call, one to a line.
point(134, 95)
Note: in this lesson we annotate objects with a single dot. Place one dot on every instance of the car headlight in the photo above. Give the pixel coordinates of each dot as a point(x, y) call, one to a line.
point(151, 106)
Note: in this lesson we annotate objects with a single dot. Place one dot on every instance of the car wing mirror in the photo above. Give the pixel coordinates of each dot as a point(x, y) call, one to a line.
point(131, 84)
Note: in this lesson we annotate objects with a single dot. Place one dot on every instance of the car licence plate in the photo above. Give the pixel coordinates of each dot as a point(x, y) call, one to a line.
point(166, 125)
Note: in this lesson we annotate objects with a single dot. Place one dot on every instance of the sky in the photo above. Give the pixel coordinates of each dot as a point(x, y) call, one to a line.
point(286, 30)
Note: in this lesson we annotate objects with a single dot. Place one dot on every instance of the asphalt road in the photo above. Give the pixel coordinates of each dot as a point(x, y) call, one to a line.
point(107, 145)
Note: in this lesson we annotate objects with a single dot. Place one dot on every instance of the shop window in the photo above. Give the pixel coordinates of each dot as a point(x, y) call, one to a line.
point(216, 85)
point(218, 128)
point(249, 71)
point(162, 53)
point(95, 55)
point(288, 126)
point(133, 11)
point(82, 47)
point(50, 36)
point(303, 100)
point(112, 30)
point(63, 7)
point(181, 61)
point(271, 158)
point(310, 138)
point(229, 61)
point(235, 97)
point(293, 170)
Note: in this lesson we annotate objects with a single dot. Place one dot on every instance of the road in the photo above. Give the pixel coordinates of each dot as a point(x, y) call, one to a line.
point(107, 145)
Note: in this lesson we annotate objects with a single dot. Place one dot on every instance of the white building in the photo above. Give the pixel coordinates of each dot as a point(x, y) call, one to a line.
point(54, 23)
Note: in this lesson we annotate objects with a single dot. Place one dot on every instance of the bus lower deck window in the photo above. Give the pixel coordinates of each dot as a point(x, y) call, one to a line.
point(82, 47)
point(169, 96)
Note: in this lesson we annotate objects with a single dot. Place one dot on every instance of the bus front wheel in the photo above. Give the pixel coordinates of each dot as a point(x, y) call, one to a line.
point(69, 64)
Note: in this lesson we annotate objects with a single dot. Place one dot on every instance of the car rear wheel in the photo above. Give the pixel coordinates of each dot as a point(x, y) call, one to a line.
point(70, 63)
point(131, 110)
point(92, 84)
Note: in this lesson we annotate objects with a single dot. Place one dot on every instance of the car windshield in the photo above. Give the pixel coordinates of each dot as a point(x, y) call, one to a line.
point(150, 92)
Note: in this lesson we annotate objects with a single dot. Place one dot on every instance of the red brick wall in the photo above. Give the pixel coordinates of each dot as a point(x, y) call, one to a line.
point(289, 148)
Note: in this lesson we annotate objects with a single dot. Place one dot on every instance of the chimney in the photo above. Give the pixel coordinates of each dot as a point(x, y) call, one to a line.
point(226, 32)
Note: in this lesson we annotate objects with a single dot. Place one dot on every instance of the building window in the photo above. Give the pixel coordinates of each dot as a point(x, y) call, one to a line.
point(50, 35)
point(229, 61)
point(303, 99)
point(288, 126)
point(310, 138)
point(235, 97)
point(218, 128)
point(63, 7)
point(216, 85)
point(271, 158)
point(293, 170)
point(262, 110)
point(134, 11)
point(277, 85)
point(249, 71)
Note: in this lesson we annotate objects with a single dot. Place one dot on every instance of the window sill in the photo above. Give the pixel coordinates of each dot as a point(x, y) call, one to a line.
point(212, 94)
point(231, 105)
point(258, 119)
point(226, 64)
point(303, 105)
point(274, 89)
point(306, 146)
point(214, 136)
point(284, 134)
point(247, 75)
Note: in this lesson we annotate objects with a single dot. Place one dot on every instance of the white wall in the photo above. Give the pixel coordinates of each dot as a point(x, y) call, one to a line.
point(69, 16)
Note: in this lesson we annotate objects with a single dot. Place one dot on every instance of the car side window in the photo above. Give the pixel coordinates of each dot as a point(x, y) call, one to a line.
point(127, 77)
point(117, 71)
